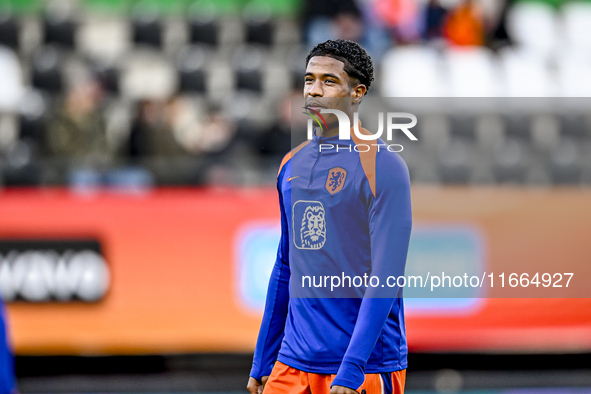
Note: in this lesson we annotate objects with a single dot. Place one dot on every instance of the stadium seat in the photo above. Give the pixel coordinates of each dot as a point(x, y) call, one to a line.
point(11, 80)
point(8, 30)
point(545, 131)
point(518, 126)
point(433, 130)
point(246, 106)
point(525, 75)
point(148, 75)
point(574, 74)
point(565, 161)
point(147, 28)
point(533, 25)
point(108, 75)
point(296, 62)
point(204, 32)
point(576, 17)
point(33, 111)
point(575, 125)
point(489, 130)
point(510, 161)
point(248, 62)
point(259, 25)
point(259, 31)
point(412, 72)
point(277, 80)
point(204, 29)
point(59, 32)
point(59, 24)
point(8, 128)
point(104, 38)
point(221, 80)
point(472, 73)
point(47, 73)
point(454, 160)
point(249, 79)
point(192, 74)
point(21, 168)
point(463, 127)
point(512, 153)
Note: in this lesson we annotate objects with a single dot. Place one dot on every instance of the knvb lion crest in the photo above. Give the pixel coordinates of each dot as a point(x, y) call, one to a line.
point(335, 180)
point(309, 216)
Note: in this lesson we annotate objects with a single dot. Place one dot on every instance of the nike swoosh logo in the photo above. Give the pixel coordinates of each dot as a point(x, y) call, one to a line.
point(293, 177)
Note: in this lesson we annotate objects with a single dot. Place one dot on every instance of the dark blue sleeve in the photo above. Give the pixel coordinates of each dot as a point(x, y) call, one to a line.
point(7, 381)
point(276, 304)
point(390, 222)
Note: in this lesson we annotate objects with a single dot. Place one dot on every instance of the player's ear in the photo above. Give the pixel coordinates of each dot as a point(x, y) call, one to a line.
point(358, 92)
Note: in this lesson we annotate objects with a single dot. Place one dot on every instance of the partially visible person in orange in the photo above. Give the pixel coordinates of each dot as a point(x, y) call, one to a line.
point(464, 25)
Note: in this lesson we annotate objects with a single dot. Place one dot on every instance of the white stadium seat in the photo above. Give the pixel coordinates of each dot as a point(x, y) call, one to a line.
point(472, 72)
point(574, 74)
point(525, 75)
point(104, 38)
point(412, 72)
point(147, 75)
point(11, 80)
point(533, 26)
point(576, 19)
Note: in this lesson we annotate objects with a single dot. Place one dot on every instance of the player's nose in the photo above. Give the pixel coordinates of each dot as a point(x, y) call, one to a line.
point(315, 90)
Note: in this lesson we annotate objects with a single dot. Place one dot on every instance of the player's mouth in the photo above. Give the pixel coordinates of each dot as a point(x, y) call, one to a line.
point(314, 106)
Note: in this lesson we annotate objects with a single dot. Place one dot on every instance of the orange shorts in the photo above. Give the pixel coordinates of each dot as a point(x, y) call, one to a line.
point(288, 380)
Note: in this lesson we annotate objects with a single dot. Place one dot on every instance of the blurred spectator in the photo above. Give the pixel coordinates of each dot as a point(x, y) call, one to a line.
point(345, 19)
point(176, 128)
point(434, 20)
point(152, 133)
point(402, 16)
point(318, 16)
point(186, 134)
point(464, 26)
point(275, 142)
point(499, 36)
point(348, 26)
point(179, 142)
point(77, 131)
point(212, 136)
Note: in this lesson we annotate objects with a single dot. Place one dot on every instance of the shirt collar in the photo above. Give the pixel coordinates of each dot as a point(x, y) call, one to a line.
point(334, 140)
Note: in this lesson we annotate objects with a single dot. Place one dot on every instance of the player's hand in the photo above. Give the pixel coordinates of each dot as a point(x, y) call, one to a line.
point(254, 387)
point(342, 390)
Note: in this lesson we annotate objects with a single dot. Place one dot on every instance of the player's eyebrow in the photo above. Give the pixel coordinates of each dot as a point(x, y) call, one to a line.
point(326, 75)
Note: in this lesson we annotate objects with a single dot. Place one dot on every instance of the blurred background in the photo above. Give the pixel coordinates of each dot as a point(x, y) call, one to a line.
point(139, 144)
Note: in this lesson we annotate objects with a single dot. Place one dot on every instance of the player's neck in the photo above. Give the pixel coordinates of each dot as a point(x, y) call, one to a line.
point(333, 129)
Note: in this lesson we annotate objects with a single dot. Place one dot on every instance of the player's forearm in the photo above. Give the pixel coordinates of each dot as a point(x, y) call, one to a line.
point(370, 322)
point(273, 324)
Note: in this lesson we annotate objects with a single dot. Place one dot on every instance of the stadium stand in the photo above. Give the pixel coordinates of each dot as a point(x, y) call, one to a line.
point(245, 56)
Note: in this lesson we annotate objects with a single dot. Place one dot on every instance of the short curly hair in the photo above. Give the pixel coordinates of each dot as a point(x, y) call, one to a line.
point(358, 63)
